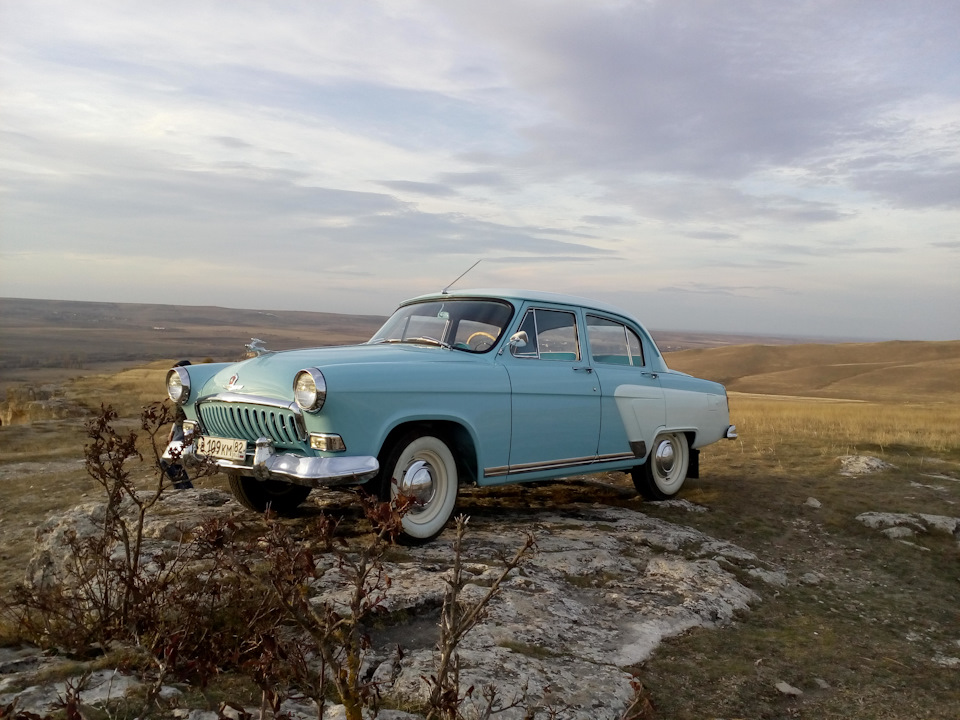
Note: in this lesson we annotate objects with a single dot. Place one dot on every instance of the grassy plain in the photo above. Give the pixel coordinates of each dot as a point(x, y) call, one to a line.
point(865, 626)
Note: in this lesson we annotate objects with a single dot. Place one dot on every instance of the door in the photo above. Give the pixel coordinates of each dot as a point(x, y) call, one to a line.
point(633, 400)
point(555, 396)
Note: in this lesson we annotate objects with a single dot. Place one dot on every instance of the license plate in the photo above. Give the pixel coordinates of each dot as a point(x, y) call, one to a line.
point(222, 448)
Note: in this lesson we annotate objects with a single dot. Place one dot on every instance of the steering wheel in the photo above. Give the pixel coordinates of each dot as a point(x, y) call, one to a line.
point(486, 341)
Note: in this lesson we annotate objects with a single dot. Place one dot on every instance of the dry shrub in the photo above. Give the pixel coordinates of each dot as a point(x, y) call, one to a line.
point(235, 597)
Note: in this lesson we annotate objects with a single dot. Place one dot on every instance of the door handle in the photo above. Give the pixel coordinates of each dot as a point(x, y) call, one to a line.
point(650, 374)
point(583, 369)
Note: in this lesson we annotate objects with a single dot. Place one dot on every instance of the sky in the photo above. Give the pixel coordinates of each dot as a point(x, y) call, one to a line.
point(735, 166)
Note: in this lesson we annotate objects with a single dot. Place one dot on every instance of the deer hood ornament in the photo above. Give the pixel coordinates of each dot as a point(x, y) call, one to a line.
point(255, 347)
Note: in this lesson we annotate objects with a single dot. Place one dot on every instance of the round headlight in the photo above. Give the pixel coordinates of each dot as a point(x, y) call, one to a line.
point(310, 389)
point(178, 385)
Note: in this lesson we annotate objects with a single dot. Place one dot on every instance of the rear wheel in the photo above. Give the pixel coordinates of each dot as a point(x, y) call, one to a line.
point(662, 475)
point(282, 497)
point(423, 468)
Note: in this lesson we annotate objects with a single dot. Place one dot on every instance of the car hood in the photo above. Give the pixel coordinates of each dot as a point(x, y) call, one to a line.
point(272, 374)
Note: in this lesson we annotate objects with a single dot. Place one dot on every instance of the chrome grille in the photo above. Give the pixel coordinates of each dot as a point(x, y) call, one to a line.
point(251, 422)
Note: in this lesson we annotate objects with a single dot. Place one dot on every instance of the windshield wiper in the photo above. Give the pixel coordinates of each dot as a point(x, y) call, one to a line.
point(422, 340)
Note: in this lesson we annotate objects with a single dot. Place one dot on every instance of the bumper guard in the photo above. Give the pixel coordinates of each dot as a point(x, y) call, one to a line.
point(315, 472)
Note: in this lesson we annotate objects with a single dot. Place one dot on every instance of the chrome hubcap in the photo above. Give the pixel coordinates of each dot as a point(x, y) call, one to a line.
point(417, 482)
point(666, 457)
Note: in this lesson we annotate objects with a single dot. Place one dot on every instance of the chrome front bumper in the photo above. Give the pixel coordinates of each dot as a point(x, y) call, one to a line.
point(268, 464)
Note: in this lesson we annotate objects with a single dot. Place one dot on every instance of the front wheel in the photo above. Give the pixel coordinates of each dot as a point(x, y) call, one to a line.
point(421, 467)
point(282, 497)
point(662, 475)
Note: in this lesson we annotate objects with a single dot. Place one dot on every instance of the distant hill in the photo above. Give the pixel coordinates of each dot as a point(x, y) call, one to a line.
point(64, 334)
point(923, 371)
point(53, 333)
point(38, 334)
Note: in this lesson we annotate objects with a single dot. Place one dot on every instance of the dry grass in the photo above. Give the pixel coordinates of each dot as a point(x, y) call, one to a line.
point(127, 391)
point(870, 626)
point(863, 619)
point(831, 428)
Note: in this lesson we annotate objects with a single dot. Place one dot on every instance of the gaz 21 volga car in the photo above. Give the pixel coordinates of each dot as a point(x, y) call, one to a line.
point(485, 387)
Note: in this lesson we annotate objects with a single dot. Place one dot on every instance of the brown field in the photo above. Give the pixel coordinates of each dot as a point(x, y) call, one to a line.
point(43, 335)
point(41, 338)
point(887, 371)
point(866, 626)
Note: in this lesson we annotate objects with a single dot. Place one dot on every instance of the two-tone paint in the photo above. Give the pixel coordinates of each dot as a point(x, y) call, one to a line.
point(509, 417)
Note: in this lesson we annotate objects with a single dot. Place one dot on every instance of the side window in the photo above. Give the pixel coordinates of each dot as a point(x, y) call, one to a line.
point(528, 326)
point(635, 348)
point(551, 335)
point(613, 343)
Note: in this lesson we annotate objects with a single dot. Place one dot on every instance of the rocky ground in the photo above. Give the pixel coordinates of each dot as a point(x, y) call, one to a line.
point(572, 627)
point(606, 585)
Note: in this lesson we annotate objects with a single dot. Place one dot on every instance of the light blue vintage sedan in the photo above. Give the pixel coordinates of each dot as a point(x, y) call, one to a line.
point(475, 386)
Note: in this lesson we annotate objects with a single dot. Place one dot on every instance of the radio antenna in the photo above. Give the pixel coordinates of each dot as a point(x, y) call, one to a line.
point(444, 291)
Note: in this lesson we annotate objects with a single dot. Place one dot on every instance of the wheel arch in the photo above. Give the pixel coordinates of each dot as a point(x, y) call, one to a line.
point(690, 432)
point(460, 440)
point(693, 464)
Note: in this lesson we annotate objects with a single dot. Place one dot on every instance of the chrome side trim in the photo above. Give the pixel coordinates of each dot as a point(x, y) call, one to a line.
point(616, 457)
point(555, 464)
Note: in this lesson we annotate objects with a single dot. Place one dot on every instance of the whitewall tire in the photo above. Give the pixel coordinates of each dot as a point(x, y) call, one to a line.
point(663, 474)
point(422, 467)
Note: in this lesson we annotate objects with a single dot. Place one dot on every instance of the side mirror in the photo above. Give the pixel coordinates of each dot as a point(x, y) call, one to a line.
point(519, 339)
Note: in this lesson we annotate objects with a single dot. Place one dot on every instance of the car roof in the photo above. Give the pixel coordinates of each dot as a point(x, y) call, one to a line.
point(526, 295)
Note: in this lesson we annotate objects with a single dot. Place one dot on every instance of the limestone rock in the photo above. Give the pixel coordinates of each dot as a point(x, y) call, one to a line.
point(23, 406)
point(898, 532)
point(606, 586)
point(100, 688)
point(588, 606)
point(682, 505)
point(946, 661)
point(771, 577)
point(862, 465)
point(788, 689)
point(901, 525)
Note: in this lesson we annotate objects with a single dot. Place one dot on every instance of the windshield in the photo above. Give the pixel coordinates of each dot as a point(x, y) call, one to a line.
point(469, 325)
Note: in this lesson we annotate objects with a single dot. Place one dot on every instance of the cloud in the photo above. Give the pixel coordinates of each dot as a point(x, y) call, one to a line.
point(731, 290)
point(717, 235)
point(433, 234)
point(687, 87)
point(720, 92)
point(679, 201)
point(930, 187)
point(232, 143)
point(606, 220)
point(419, 188)
point(473, 179)
point(366, 149)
